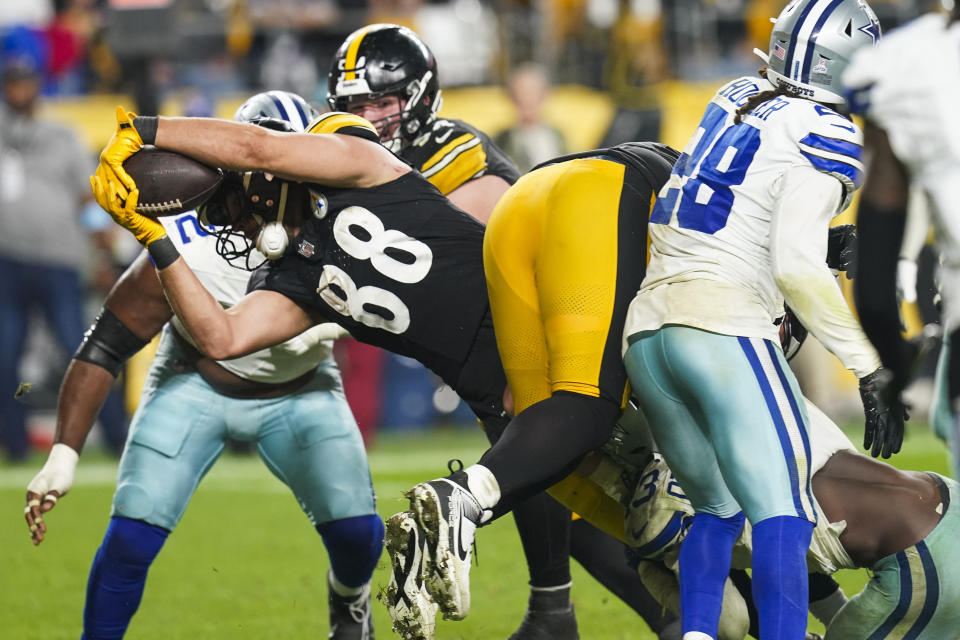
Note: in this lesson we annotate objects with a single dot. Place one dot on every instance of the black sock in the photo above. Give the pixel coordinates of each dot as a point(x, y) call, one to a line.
point(546, 442)
point(544, 526)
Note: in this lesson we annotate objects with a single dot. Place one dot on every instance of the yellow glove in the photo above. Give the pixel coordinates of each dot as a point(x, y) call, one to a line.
point(125, 142)
point(122, 207)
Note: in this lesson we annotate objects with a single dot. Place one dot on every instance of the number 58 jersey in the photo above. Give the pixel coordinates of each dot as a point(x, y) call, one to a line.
point(710, 230)
point(397, 265)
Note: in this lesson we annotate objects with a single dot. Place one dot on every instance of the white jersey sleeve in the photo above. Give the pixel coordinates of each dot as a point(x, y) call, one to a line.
point(798, 248)
point(827, 142)
point(228, 284)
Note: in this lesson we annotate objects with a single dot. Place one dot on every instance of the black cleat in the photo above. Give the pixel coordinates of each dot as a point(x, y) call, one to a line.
point(548, 624)
point(350, 617)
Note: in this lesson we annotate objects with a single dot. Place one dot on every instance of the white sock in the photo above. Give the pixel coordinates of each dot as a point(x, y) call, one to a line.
point(343, 590)
point(825, 608)
point(483, 485)
point(696, 635)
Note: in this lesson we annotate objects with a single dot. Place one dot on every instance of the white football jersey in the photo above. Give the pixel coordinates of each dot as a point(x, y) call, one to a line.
point(909, 85)
point(710, 258)
point(227, 285)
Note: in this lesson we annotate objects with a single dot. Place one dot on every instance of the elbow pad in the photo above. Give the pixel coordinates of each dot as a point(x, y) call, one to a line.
point(108, 343)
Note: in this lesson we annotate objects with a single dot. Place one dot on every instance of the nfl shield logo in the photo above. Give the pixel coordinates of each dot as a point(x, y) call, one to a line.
point(305, 249)
point(779, 51)
point(821, 67)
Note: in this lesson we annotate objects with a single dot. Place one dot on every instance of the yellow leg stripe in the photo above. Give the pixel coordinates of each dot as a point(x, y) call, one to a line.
point(583, 496)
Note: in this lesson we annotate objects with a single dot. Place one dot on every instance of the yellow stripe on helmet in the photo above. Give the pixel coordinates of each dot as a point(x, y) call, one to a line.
point(334, 121)
point(350, 63)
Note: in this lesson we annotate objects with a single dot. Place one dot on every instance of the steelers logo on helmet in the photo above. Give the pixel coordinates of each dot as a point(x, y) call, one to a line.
point(382, 60)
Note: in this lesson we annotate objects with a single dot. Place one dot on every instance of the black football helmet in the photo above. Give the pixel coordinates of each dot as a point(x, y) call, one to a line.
point(381, 60)
point(257, 195)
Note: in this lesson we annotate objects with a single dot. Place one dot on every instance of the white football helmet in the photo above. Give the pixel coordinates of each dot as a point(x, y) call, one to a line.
point(812, 43)
point(279, 105)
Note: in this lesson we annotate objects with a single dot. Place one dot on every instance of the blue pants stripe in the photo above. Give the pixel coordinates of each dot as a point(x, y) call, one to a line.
point(778, 421)
point(794, 408)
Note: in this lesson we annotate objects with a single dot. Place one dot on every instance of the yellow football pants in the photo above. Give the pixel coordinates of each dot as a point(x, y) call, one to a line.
point(564, 253)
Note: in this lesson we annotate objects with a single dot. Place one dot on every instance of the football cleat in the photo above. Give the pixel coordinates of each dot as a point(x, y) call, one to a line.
point(411, 608)
point(350, 617)
point(448, 515)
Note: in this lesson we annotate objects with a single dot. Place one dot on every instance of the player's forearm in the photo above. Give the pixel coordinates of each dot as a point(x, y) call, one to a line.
point(218, 143)
point(206, 321)
point(83, 391)
point(335, 160)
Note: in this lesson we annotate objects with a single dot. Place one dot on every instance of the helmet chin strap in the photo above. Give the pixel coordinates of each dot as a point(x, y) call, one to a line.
point(272, 240)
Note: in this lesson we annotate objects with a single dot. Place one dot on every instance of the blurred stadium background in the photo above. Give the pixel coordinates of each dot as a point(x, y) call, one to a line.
point(617, 70)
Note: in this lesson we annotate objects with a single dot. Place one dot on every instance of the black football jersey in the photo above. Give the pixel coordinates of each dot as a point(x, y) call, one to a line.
point(398, 266)
point(452, 152)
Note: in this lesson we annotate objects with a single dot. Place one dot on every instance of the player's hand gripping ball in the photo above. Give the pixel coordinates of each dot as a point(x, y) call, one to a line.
point(172, 182)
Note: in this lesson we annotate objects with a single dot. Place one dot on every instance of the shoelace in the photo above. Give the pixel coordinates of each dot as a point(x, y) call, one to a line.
point(359, 610)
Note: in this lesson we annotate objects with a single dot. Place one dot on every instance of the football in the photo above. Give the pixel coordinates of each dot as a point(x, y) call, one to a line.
point(169, 182)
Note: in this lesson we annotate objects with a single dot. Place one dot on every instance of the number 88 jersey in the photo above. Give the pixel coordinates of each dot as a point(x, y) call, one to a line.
point(397, 265)
point(712, 219)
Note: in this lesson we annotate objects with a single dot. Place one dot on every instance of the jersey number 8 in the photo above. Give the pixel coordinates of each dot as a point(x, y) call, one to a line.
point(702, 180)
point(391, 252)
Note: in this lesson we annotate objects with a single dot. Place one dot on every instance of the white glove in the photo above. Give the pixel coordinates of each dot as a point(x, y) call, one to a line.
point(57, 474)
point(907, 280)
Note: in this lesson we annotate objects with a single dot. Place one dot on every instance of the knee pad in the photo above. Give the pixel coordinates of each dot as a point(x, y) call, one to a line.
point(354, 545)
point(132, 542)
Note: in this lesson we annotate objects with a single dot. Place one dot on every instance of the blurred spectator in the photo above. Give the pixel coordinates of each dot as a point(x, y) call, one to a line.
point(294, 42)
point(44, 184)
point(68, 37)
point(531, 140)
point(636, 63)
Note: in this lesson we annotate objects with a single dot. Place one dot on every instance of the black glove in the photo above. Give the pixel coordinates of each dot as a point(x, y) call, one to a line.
point(885, 413)
point(842, 249)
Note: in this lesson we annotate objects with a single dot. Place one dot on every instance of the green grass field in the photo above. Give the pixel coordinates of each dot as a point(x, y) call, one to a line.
point(245, 562)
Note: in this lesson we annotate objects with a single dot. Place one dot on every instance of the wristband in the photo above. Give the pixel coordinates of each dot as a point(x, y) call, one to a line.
point(63, 457)
point(57, 473)
point(163, 252)
point(108, 343)
point(146, 126)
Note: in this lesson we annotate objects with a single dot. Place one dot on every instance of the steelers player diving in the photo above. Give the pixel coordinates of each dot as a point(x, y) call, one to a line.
point(386, 74)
